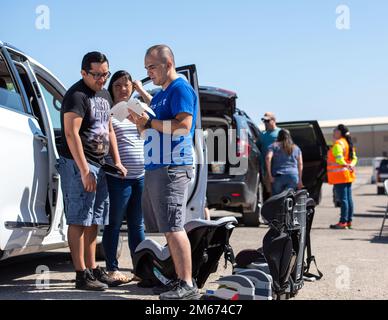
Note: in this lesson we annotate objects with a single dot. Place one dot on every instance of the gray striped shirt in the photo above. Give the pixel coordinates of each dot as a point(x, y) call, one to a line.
point(131, 148)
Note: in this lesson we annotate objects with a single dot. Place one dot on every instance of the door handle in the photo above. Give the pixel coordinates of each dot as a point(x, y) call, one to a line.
point(41, 138)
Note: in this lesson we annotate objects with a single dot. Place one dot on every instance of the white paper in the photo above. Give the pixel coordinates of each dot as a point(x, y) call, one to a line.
point(120, 110)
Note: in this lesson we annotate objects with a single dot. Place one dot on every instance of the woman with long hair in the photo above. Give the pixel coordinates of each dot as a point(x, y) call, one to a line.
point(124, 193)
point(341, 162)
point(284, 164)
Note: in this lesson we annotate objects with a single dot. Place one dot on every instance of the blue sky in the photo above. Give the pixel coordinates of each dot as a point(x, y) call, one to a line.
point(282, 56)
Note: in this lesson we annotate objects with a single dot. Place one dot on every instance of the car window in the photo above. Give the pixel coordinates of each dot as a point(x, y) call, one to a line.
point(303, 135)
point(9, 94)
point(384, 166)
point(253, 132)
point(30, 93)
point(53, 101)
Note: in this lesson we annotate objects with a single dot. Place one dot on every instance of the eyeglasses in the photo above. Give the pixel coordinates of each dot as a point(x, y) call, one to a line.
point(265, 120)
point(97, 76)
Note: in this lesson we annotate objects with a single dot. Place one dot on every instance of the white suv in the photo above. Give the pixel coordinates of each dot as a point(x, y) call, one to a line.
point(31, 204)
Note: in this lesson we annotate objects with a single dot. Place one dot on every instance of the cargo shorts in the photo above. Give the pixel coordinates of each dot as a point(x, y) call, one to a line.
point(81, 207)
point(164, 198)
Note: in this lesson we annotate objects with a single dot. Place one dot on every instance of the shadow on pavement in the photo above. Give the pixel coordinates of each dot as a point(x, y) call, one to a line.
point(376, 239)
point(26, 265)
point(382, 239)
point(12, 284)
point(366, 215)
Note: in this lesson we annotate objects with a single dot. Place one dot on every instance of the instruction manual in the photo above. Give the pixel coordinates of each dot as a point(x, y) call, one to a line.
point(120, 111)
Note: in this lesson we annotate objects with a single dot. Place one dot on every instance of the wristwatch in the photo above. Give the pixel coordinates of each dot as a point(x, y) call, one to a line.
point(148, 124)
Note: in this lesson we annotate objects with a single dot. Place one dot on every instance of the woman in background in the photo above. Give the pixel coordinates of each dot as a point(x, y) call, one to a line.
point(341, 162)
point(284, 164)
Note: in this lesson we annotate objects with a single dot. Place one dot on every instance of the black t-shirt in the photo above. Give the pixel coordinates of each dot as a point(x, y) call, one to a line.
point(94, 108)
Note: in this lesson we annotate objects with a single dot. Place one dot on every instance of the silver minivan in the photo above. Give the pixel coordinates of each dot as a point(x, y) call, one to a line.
point(31, 203)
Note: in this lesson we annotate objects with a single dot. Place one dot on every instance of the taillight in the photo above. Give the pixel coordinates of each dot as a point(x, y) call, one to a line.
point(243, 148)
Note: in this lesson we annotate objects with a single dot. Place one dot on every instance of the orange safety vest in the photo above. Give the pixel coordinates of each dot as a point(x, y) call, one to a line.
point(337, 173)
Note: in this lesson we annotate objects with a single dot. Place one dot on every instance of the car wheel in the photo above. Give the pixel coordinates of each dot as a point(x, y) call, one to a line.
point(100, 252)
point(380, 190)
point(252, 219)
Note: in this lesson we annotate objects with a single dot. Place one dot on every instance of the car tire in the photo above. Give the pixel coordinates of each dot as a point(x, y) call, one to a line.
point(100, 252)
point(252, 219)
point(380, 190)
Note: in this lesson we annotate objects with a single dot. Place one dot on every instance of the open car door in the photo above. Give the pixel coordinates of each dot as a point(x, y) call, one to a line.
point(197, 186)
point(309, 137)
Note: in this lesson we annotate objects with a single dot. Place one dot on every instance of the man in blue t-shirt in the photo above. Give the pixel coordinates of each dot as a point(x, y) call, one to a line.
point(267, 138)
point(168, 156)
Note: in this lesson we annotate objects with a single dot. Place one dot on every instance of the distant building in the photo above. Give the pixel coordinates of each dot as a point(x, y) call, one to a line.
point(370, 135)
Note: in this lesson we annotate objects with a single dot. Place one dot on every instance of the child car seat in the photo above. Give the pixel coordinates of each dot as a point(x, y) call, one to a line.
point(208, 239)
point(282, 254)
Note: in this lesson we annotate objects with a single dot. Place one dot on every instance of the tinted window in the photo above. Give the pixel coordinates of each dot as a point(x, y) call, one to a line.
point(53, 101)
point(28, 90)
point(303, 134)
point(9, 94)
point(384, 166)
point(254, 132)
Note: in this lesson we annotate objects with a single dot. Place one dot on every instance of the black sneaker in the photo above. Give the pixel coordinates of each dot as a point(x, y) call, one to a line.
point(161, 288)
point(101, 275)
point(181, 291)
point(86, 281)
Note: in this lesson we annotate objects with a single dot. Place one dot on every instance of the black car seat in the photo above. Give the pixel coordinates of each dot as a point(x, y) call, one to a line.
point(208, 239)
point(282, 253)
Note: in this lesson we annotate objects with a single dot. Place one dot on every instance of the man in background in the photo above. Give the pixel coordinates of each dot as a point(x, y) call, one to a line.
point(267, 138)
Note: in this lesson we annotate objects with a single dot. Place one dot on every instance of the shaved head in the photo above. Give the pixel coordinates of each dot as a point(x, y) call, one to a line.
point(163, 52)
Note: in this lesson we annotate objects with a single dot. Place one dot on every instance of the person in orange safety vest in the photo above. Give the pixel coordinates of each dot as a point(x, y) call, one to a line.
point(341, 162)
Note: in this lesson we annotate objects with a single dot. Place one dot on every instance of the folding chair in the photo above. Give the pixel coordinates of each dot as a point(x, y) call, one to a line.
point(386, 209)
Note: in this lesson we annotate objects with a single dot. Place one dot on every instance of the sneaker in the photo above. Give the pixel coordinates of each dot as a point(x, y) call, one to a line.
point(85, 280)
point(339, 225)
point(181, 291)
point(101, 275)
point(349, 225)
point(118, 277)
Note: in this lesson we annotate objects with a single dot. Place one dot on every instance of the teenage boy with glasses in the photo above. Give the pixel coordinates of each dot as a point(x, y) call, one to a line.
point(87, 137)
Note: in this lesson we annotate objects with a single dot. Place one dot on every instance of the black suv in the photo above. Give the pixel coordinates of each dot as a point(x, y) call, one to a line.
point(241, 190)
point(230, 187)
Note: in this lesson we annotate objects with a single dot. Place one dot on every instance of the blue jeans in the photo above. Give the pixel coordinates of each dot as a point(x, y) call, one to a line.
point(284, 182)
point(344, 195)
point(125, 200)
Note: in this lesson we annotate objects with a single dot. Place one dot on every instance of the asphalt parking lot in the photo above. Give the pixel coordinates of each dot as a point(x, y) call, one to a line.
point(354, 262)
